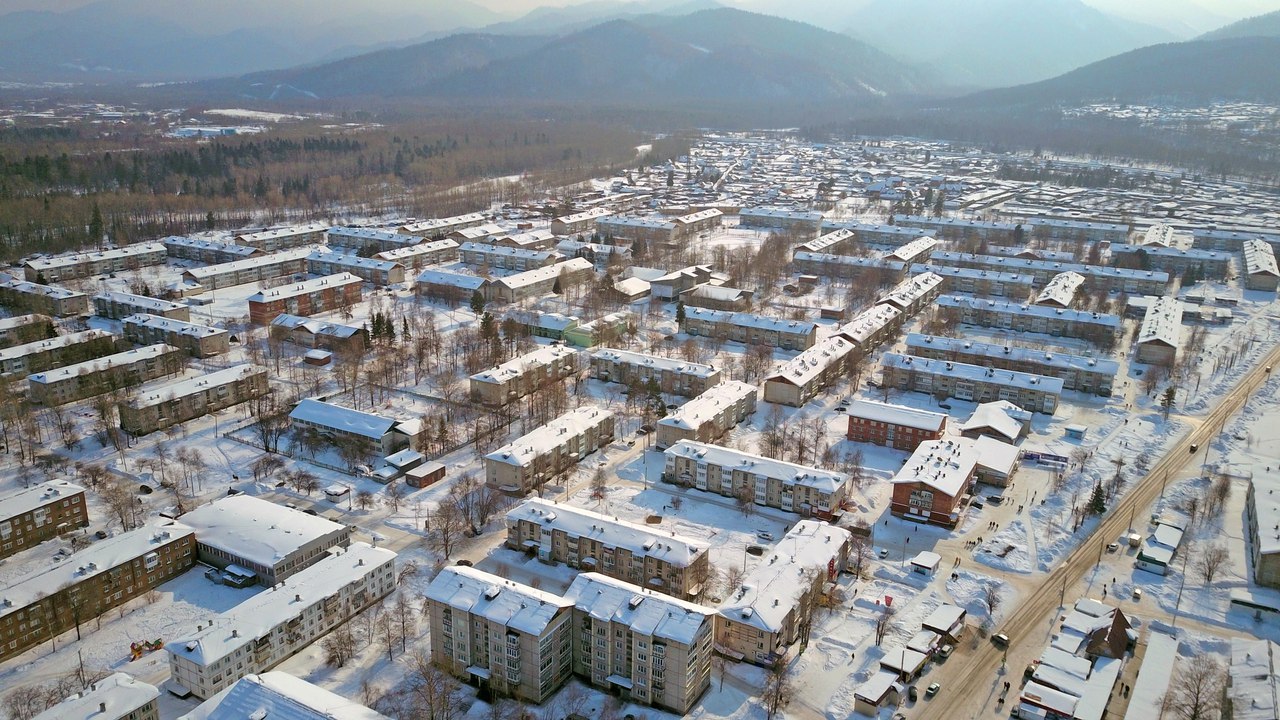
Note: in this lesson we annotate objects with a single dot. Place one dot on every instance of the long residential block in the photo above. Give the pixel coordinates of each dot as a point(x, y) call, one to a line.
point(31, 515)
point(22, 329)
point(540, 281)
point(1016, 317)
point(197, 340)
point(1077, 372)
point(369, 240)
point(439, 227)
point(70, 267)
point(163, 406)
point(208, 252)
point(962, 381)
point(115, 697)
point(270, 627)
point(983, 283)
point(579, 222)
point(591, 542)
point(882, 271)
point(371, 270)
point(803, 222)
point(1260, 272)
point(120, 305)
point(764, 481)
point(895, 426)
point(544, 453)
point(1212, 264)
point(44, 299)
point(801, 378)
point(872, 327)
point(709, 416)
point(284, 238)
point(113, 372)
point(418, 256)
point(1104, 278)
point(638, 369)
point(307, 298)
point(250, 270)
point(506, 258)
point(57, 351)
point(523, 375)
point(750, 329)
point(878, 234)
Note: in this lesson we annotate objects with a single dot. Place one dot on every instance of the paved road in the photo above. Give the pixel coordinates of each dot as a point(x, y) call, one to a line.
point(1030, 625)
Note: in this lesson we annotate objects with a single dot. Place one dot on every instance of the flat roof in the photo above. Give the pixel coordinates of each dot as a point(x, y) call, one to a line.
point(640, 540)
point(23, 500)
point(1023, 309)
point(945, 465)
point(644, 611)
point(787, 473)
point(305, 287)
point(741, 319)
point(279, 696)
point(1008, 378)
point(1016, 353)
point(255, 529)
point(897, 415)
point(693, 413)
point(497, 599)
point(337, 417)
point(657, 362)
point(535, 443)
point(104, 363)
point(255, 261)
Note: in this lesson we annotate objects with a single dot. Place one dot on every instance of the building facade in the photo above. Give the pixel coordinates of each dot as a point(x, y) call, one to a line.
point(523, 375)
point(120, 305)
point(801, 378)
point(544, 453)
point(55, 352)
point(307, 298)
point(23, 329)
point(257, 268)
point(1077, 372)
point(44, 299)
point(167, 405)
point(113, 372)
point(371, 270)
point(808, 491)
point(638, 369)
point(197, 340)
point(70, 267)
point(31, 515)
point(707, 417)
point(750, 329)
point(895, 426)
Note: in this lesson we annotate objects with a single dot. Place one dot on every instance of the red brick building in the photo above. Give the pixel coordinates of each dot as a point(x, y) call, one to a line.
point(930, 487)
point(895, 426)
point(307, 298)
point(30, 516)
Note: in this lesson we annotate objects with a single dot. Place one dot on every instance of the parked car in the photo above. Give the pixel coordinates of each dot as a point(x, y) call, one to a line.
point(1137, 594)
point(945, 651)
point(932, 690)
point(1113, 547)
point(911, 694)
point(764, 535)
point(465, 563)
point(1000, 640)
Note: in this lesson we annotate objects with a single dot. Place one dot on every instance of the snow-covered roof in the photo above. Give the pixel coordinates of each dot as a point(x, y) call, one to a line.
point(656, 362)
point(944, 619)
point(516, 367)
point(995, 276)
point(426, 226)
point(313, 326)
point(236, 266)
point(1254, 679)
point(1007, 378)
point(181, 327)
point(644, 611)
point(478, 232)
point(1266, 510)
point(631, 286)
point(876, 687)
point(903, 660)
point(22, 500)
point(1147, 698)
point(997, 456)
point(451, 279)
point(337, 417)
point(1162, 322)
point(958, 222)
point(869, 322)
point(872, 228)
point(58, 261)
point(264, 235)
point(1047, 358)
point(639, 540)
point(592, 214)
point(306, 287)
point(18, 321)
point(96, 559)
point(944, 465)
point(142, 301)
point(768, 592)
point(30, 288)
point(546, 320)
point(822, 243)
point(1013, 264)
point(751, 320)
point(692, 414)
point(496, 599)
point(896, 415)
point(812, 362)
point(1041, 311)
point(821, 258)
point(364, 233)
point(226, 248)
point(247, 527)
point(156, 394)
point(18, 351)
point(1259, 258)
point(542, 274)
point(128, 357)
point(914, 249)
point(781, 214)
point(523, 451)
point(789, 473)
point(355, 261)
point(698, 216)
point(409, 252)
point(279, 696)
point(912, 289)
point(1061, 289)
point(604, 224)
point(259, 615)
point(1001, 416)
point(506, 251)
point(115, 696)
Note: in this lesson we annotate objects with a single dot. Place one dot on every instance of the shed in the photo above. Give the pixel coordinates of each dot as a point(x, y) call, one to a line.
point(1076, 432)
point(428, 473)
point(926, 562)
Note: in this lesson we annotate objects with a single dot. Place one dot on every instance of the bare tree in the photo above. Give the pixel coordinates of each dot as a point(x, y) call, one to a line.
point(1196, 693)
point(991, 598)
point(339, 646)
point(433, 695)
point(733, 578)
point(445, 527)
point(123, 503)
point(746, 500)
point(859, 555)
point(882, 623)
point(364, 499)
point(778, 688)
point(1210, 560)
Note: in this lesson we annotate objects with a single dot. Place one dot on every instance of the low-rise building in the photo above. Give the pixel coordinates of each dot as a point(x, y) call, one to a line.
point(644, 646)
point(506, 258)
point(604, 330)
point(800, 222)
point(536, 323)
point(1078, 231)
point(371, 270)
point(113, 372)
point(635, 229)
point(276, 695)
point(1095, 327)
point(1097, 277)
point(485, 232)
point(31, 515)
point(1253, 679)
point(1212, 264)
point(674, 284)
point(750, 329)
point(309, 297)
point(708, 416)
point(257, 268)
point(915, 293)
point(878, 234)
point(835, 242)
point(718, 297)
point(954, 228)
point(895, 426)
point(699, 221)
point(22, 329)
point(207, 252)
point(872, 327)
point(451, 287)
point(931, 485)
point(1262, 515)
point(284, 238)
point(416, 257)
point(880, 271)
point(159, 407)
point(1159, 548)
point(1077, 372)
point(635, 369)
point(523, 375)
point(44, 299)
point(79, 265)
point(46, 602)
point(1260, 272)
point(270, 627)
point(320, 334)
point(999, 419)
point(55, 352)
point(774, 605)
point(541, 281)
point(1062, 290)
point(983, 283)
point(116, 697)
point(592, 542)
point(579, 222)
point(505, 637)
point(809, 491)
point(197, 340)
point(916, 251)
point(360, 240)
point(547, 451)
point(601, 256)
point(439, 227)
point(801, 378)
point(120, 305)
point(944, 379)
point(377, 434)
point(1160, 334)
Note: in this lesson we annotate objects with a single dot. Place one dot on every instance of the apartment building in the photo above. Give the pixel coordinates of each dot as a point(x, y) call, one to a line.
point(750, 329)
point(523, 375)
point(451, 287)
point(45, 602)
point(914, 294)
point(162, 406)
point(916, 251)
point(718, 297)
point(944, 379)
point(580, 222)
point(530, 240)
point(799, 222)
point(506, 258)
point(1077, 372)
point(276, 693)
point(775, 602)
point(1212, 264)
point(547, 451)
point(416, 257)
point(699, 221)
point(94, 377)
point(634, 369)
point(1160, 334)
point(601, 256)
point(378, 434)
point(70, 267)
point(270, 627)
point(881, 271)
point(875, 234)
point(120, 305)
point(367, 241)
point(115, 697)
point(57, 351)
point(591, 542)
point(207, 252)
point(836, 242)
point(708, 416)
point(616, 228)
point(931, 485)
point(439, 227)
point(22, 329)
point(540, 281)
point(808, 491)
point(197, 340)
point(507, 638)
point(872, 327)
point(801, 378)
point(536, 323)
point(1262, 515)
point(1212, 238)
point(677, 282)
point(895, 426)
point(983, 283)
point(603, 330)
point(371, 270)
point(1260, 272)
point(310, 297)
point(486, 232)
point(1062, 290)
point(322, 334)
point(284, 238)
point(1100, 278)
point(31, 515)
point(1077, 231)
point(258, 268)
point(1014, 317)
point(644, 646)
point(953, 228)
point(44, 299)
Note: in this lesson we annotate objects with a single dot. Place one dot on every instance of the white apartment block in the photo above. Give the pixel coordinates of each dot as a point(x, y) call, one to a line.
point(120, 305)
point(545, 452)
point(157, 408)
point(523, 375)
point(579, 222)
point(208, 252)
point(418, 256)
point(1260, 272)
point(269, 627)
point(284, 238)
point(198, 340)
point(944, 379)
point(750, 329)
point(359, 239)
point(46, 299)
point(371, 270)
point(439, 227)
point(253, 269)
point(506, 258)
point(70, 267)
point(709, 416)
point(94, 377)
point(44, 355)
point(768, 482)
point(801, 378)
point(115, 697)
point(637, 369)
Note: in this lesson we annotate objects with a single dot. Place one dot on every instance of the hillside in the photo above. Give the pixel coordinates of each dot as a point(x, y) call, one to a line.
point(1259, 26)
point(1232, 69)
point(997, 43)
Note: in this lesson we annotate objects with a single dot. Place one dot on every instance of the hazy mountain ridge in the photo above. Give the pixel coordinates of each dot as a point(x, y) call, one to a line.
point(1267, 25)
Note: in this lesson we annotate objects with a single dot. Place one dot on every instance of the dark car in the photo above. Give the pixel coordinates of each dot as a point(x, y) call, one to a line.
point(465, 563)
